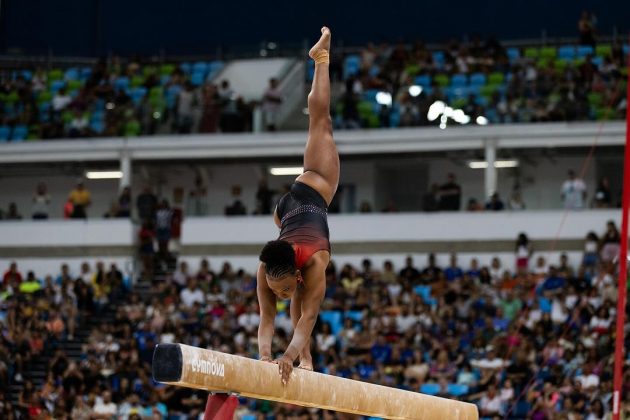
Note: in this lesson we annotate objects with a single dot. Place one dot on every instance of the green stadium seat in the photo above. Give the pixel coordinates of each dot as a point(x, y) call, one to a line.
point(412, 69)
point(167, 69)
point(441, 80)
point(548, 52)
point(488, 90)
point(604, 113)
point(603, 50)
point(44, 96)
point(137, 80)
point(74, 84)
point(132, 128)
point(543, 63)
point(531, 52)
point(496, 78)
point(595, 99)
point(560, 64)
point(149, 70)
point(55, 74)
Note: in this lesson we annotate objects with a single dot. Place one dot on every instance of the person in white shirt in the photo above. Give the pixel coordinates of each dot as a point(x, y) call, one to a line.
point(490, 404)
point(405, 320)
point(250, 319)
point(588, 379)
point(180, 277)
point(104, 407)
point(41, 202)
point(325, 340)
point(271, 104)
point(191, 294)
point(573, 192)
point(61, 100)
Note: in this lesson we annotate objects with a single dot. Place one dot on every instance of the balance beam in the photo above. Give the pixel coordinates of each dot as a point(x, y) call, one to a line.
point(192, 367)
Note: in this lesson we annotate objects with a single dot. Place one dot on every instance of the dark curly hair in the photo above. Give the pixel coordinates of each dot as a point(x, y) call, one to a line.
point(279, 258)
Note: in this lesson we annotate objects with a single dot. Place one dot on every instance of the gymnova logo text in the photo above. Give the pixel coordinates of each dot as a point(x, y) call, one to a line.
point(208, 366)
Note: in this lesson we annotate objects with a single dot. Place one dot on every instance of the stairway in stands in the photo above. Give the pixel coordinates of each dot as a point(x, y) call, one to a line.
point(37, 369)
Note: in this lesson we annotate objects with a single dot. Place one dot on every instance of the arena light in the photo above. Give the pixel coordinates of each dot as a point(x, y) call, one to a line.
point(481, 120)
point(499, 164)
point(435, 110)
point(293, 170)
point(415, 90)
point(103, 174)
point(384, 98)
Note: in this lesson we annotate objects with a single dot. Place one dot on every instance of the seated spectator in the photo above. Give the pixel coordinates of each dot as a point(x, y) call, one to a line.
point(104, 406)
point(41, 202)
point(237, 208)
point(79, 125)
point(490, 404)
point(61, 100)
point(191, 294)
point(450, 194)
point(325, 339)
point(12, 213)
point(453, 272)
point(473, 205)
point(124, 203)
point(495, 203)
point(81, 199)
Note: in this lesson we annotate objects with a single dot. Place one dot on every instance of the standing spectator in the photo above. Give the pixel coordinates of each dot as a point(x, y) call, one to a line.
point(610, 242)
point(210, 109)
point(523, 251)
point(271, 104)
point(79, 125)
point(12, 276)
point(41, 202)
point(68, 209)
point(124, 203)
point(516, 201)
point(60, 101)
point(573, 192)
point(264, 197)
point(591, 245)
point(430, 200)
point(237, 208)
point(163, 218)
point(197, 204)
point(603, 198)
point(453, 272)
point(450, 194)
point(146, 237)
point(146, 203)
point(586, 28)
point(13, 213)
point(81, 199)
point(185, 108)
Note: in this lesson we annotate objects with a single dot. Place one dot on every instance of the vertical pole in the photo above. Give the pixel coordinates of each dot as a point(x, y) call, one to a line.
point(125, 168)
point(623, 271)
point(490, 184)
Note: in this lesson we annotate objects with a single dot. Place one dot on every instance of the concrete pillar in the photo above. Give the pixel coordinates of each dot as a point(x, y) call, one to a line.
point(490, 177)
point(125, 168)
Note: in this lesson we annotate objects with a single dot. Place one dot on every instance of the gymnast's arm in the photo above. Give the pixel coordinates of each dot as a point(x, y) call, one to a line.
point(267, 303)
point(315, 289)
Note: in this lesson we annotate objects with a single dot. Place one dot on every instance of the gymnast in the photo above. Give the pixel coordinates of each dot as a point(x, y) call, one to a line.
point(294, 265)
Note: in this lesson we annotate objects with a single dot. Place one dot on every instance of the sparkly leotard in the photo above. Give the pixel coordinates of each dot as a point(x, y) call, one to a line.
point(303, 222)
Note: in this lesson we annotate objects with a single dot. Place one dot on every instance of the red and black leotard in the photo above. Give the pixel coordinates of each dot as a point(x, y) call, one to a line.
point(303, 221)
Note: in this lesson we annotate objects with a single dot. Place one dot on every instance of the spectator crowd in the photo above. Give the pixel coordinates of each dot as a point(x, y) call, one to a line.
point(531, 340)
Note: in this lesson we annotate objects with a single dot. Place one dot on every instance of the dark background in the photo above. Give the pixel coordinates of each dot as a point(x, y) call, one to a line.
point(96, 27)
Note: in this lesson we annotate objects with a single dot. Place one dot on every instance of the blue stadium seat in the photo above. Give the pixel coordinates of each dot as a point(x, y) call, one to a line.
point(374, 70)
point(5, 132)
point(333, 318)
point(584, 50)
point(513, 54)
point(44, 112)
point(72, 74)
point(98, 126)
point(200, 67)
point(459, 80)
point(477, 79)
point(566, 52)
point(27, 75)
point(197, 78)
point(545, 304)
point(370, 95)
point(438, 57)
point(430, 389)
point(423, 80)
point(626, 49)
point(460, 91)
point(356, 316)
point(164, 79)
point(86, 72)
point(310, 70)
point(425, 293)
point(248, 417)
point(19, 133)
point(137, 94)
point(394, 118)
point(351, 65)
point(598, 61)
point(171, 95)
point(97, 116)
point(457, 390)
point(56, 85)
point(215, 67)
point(186, 67)
point(122, 83)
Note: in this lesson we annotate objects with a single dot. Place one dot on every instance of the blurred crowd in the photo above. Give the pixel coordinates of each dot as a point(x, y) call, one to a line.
point(533, 339)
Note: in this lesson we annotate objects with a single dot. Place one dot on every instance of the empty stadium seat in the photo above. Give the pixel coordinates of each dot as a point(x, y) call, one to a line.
point(56, 85)
point(5, 132)
point(584, 50)
point(459, 80)
point(19, 133)
point(334, 319)
point(477, 79)
point(547, 52)
point(354, 315)
point(27, 75)
point(457, 390)
point(200, 67)
point(430, 389)
point(186, 67)
point(566, 52)
point(351, 65)
point(71, 74)
point(137, 94)
point(122, 83)
point(513, 54)
point(423, 80)
point(197, 78)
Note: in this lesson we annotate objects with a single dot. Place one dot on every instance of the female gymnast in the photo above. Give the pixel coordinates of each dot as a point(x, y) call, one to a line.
point(293, 266)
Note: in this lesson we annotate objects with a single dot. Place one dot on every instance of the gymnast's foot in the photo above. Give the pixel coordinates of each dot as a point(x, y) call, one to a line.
point(322, 45)
point(306, 362)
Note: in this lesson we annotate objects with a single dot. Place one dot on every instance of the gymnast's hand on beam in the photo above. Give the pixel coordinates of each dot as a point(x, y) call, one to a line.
point(285, 367)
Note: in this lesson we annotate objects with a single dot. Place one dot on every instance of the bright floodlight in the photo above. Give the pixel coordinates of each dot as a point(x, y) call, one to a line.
point(460, 117)
point(384, 98)
point(481, 120)
point(499, 164)
point(103, 174)
point(295, 170)
point(435, 110)
point(415, 90)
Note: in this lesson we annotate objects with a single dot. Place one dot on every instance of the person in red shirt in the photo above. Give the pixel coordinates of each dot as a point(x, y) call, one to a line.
point(12, 276)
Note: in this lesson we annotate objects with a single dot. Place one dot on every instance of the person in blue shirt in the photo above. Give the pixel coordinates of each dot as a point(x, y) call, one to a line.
point(453, 272)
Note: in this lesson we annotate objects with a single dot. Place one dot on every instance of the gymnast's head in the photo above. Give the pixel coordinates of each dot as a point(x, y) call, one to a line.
point(280, 270)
